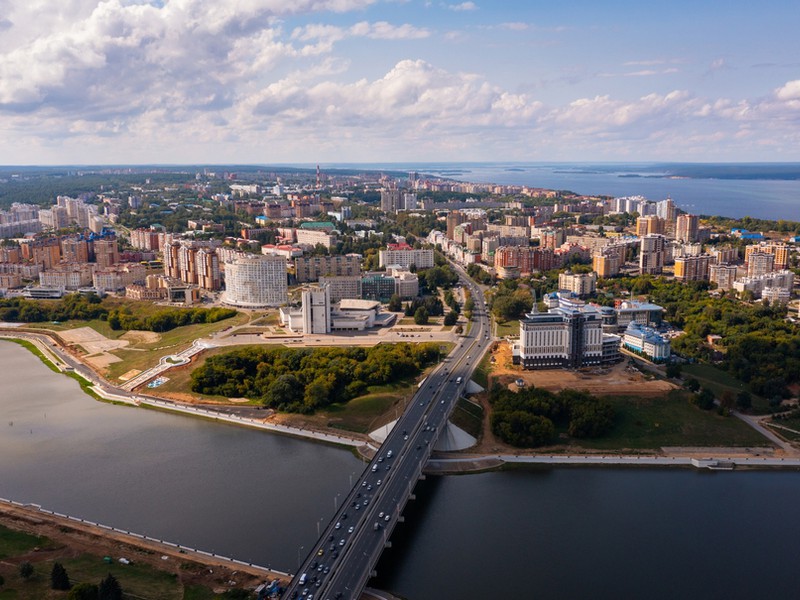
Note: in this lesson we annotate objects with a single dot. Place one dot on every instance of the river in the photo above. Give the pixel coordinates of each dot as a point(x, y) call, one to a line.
point(544, 533)
point(759, 198)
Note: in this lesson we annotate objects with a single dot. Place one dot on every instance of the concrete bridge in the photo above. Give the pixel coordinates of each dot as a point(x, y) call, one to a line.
point(343, 559)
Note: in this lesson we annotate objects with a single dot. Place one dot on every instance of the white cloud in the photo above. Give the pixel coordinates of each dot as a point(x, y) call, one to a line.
point(789, 91)
point(463, 6)
point(514, 26)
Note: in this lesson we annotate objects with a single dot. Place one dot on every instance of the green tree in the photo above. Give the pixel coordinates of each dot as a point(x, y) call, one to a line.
point(25, 570)
point(673, 370)
point(83, 591)
point(705, 399)
point(2, 581)
point(421, 316)
point(692, 384)
point(450, 318)
point(59, 580)
point(395, 304)
point(109, 589)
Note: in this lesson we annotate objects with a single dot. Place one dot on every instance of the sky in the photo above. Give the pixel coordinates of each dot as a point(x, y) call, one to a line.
point(316, 81)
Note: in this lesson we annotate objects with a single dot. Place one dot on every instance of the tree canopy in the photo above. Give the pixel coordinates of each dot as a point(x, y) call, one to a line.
point(530, 417)
point(305, 379)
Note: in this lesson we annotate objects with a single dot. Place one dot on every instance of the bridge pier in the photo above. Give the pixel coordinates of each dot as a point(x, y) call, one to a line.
point(401, 519)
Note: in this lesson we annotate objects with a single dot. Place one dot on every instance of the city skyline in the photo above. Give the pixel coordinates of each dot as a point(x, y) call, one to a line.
point(87, 82)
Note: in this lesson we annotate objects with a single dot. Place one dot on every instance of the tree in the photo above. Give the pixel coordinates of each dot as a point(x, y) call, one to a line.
point(395, 304)
point(2, 580)
point(421, 316)
point(692, 384)
point(83, 591)
point(59, 580)
point(25, 570)
point(673, 370)
point(109, 589)
point(705, 399)
point(450, 318)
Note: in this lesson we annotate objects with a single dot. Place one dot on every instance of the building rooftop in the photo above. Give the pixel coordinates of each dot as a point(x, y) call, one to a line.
point(317, 225)
point(354, 304)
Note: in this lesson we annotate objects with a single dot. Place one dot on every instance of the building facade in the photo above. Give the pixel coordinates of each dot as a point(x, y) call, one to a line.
point(256, 281)
point(569, 336)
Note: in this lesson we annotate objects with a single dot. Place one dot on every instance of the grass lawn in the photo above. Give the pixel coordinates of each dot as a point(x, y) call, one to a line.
point(137, 580)
point(143, 355)
point(720, 381)
point(481, 373)
point(13, 542)
point(507, 328)
point(469, 417)
point(363, 414)
point(671, 421)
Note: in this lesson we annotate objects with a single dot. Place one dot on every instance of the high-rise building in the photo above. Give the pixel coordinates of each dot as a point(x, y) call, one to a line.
point(780, 250)
point(651, 255)
point(256, 281)
point(454, 219)
point(75, 250)
point(686, 227)
point(581, 284)
point(650, 225)
point(666, 209)
point(723, 275)
point(391, 200)
point(106, 252)
point(207, 269)
point(692, 268)
point(316, 309)
point(760, 263)
point(724, 255)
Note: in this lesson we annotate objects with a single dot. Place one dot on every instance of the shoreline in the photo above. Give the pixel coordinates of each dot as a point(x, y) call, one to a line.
point(444, 464)
point(112, 541)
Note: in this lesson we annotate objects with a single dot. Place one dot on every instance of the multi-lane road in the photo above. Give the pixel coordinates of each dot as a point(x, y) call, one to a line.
point(343, 559)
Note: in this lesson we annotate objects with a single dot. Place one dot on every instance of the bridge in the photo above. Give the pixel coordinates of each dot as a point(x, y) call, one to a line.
point(344, 558)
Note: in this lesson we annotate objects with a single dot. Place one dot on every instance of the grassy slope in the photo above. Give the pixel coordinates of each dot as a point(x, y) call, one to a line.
point(671, 421)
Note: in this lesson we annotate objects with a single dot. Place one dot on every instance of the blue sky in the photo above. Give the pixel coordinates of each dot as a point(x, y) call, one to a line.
point(257, 81)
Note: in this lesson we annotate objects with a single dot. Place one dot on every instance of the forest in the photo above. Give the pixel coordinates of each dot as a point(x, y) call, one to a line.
point(305, 379)
point(532, 417)
point(759, 345)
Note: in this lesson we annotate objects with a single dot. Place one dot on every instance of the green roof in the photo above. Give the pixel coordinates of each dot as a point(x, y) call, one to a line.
point(317, 225)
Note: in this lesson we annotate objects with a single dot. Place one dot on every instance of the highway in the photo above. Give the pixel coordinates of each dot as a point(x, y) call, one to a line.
point(343, 559)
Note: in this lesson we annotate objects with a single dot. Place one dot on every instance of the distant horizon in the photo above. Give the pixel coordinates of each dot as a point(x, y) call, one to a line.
point(313, 164)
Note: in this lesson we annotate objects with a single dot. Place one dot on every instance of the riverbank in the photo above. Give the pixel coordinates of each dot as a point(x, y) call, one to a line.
point(47, 348)
point(70, 538)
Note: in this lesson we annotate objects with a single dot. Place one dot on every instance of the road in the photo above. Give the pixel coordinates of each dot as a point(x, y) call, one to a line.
point(343, 559)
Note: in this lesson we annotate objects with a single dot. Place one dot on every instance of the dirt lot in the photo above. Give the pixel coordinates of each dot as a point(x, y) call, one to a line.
point(616, 380)
point(71, 539)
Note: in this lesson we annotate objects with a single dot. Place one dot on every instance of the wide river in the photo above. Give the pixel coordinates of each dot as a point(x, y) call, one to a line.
point(546, 533)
